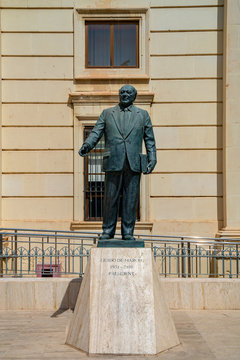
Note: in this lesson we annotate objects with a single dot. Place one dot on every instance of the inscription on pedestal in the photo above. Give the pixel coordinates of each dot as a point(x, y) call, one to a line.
point(122, 266)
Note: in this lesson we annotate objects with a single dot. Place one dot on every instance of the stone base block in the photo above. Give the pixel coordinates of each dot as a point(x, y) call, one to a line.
point(120, 243)
point(121, 307)
point(229, 234)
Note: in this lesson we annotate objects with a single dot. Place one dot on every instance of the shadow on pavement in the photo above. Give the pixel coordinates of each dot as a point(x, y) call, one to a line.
point(70, 297)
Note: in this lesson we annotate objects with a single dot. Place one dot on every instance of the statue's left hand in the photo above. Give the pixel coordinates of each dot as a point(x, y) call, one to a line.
point(151, 166)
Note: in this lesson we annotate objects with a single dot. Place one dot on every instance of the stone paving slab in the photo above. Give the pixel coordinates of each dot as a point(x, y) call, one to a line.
point(36, 335)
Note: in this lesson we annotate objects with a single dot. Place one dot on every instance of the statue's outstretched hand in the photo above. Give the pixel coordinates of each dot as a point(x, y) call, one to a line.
point(151, 166)
point(84, 150)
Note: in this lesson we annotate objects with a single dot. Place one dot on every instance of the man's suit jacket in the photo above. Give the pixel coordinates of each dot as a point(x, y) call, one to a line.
point(119, 145)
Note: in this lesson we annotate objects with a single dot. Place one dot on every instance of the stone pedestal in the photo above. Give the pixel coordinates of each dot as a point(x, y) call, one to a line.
point(121, 307)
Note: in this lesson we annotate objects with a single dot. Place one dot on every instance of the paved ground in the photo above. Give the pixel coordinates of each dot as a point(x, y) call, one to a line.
point(36, 335)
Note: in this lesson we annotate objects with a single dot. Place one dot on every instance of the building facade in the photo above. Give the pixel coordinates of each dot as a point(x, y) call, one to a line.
point(62, 63)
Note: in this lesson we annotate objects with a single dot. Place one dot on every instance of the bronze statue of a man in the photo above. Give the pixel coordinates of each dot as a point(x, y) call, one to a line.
point(125, 127)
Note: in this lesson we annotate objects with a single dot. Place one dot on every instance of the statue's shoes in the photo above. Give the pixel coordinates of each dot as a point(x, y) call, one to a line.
point(128, 237)
point(105, 237)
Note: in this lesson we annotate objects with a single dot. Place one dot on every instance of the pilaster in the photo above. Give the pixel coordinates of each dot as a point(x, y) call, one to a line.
point(231, 121)
point(0, 122)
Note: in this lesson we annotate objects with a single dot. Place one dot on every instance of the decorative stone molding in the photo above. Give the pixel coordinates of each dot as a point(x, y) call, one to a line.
point(104, 11)
point(103, 77)
point(97, 225)
point(144, 98)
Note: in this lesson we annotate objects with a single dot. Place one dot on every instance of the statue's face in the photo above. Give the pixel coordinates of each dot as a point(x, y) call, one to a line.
point(127, 95)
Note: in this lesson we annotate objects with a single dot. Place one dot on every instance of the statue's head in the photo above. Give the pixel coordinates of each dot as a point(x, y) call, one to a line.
point(127, 95)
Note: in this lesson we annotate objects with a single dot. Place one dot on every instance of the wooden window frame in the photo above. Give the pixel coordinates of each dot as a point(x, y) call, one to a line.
point(111, 23)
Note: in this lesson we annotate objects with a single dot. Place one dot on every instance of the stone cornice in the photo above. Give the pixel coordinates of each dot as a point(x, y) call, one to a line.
point(97, 75)
point(107, 97)
point(112, 11)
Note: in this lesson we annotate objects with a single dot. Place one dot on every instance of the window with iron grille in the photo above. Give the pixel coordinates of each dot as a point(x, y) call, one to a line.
point(94, 182)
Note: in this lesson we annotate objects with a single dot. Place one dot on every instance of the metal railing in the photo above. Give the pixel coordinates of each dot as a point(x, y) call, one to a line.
point(53, 253)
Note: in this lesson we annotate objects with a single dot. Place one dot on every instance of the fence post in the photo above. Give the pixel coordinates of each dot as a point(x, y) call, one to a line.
point(15, 252)
point(69, 251)
point(189, 258)
point(183, 259)
point(56, 251)
point(237, 254)
point(1, 252)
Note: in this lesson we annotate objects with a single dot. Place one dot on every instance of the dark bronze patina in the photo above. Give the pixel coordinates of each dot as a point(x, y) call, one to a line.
point(125, 127)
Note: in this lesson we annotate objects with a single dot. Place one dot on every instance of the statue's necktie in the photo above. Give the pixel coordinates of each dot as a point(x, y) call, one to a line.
point(125, 121)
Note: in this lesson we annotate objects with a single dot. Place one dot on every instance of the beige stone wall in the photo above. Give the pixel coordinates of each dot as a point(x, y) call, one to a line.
point(37, 73)
point(181, 64)
point(186, 55)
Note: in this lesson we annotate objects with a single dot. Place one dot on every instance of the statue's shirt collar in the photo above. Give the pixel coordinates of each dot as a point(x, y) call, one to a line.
point(128, 108)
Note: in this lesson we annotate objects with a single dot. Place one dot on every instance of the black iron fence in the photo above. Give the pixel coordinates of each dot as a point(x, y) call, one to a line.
point(52, 253)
